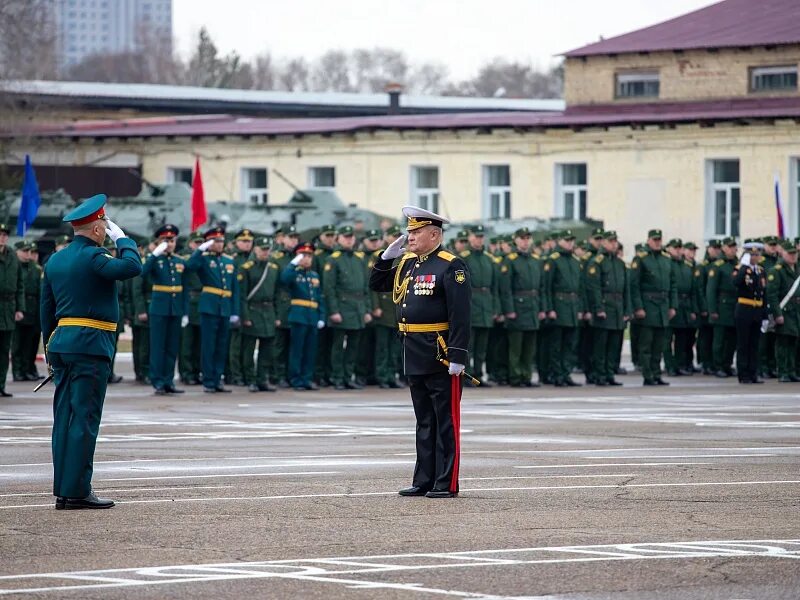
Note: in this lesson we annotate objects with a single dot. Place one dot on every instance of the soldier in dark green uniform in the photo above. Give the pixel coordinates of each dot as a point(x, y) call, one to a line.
point(766, 344)
point(485, 299)
point(140, 294)
point(461, 241)
point(654, 300)
point(27, 332)
point(12, 291)
point(564, 300)
point(258, 282)
point(345, 287)
point(242, 248)
point(388, 358)
point(497, 352)
point(522, 293)
point(189, 360)
point(365, 365)
point(780, 280)
point(286, 240)
point(79, 312)
point(608, 301)
point(721, 302)
point(326, 245)
point(590, 248)
point(705, 333)
point(544, 357)
point(635, 326)
point(698, 293)
point(676, 358)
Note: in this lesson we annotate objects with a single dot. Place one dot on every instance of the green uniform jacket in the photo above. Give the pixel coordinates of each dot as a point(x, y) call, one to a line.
point(141, 293)
point(192, 288)
point(260, 308)
point(721, 292)
point(12, 289)
point(687, 295)
point(653, 287)
point(321, 256)
point(563, 287)
point(522, 290)
point(216, 271)
point(382, 300)
point(483, 276)
point(608, 291)
point(345, 285)
point(282, 295)
point(32, 283)
point(779, 281)
point(166, 270)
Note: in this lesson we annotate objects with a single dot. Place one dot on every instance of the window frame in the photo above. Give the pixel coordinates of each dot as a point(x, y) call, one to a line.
point(772, 70)
point(712, 187)
point(171, 171)
point(561, 189)
point(505, 206)
point(426, 198)
point(644, 76)
point(245, 190)
point(311, 170)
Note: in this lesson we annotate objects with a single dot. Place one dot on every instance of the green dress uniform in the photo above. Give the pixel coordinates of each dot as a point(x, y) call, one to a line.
point(280, 363)
point(779, 281)
point(767, 355)
point(258, 282)
point(721, 302)
point(388, 349)
point(12, 292)
point(485, 304)
point(497, 353)
point(345, 286)
point(236, 356)
point(322, 371)
point(140, 294)
point(653, 290)
point(27, 332)
point(607, 291)
point(705, 333)
point(677, 350)
point(189, 360)
point(564, 295)
point(79, 314)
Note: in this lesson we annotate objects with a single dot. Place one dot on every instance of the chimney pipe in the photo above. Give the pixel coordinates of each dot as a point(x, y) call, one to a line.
point(394, 90)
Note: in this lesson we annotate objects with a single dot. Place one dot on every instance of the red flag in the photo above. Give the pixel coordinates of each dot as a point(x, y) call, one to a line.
point(199, 214)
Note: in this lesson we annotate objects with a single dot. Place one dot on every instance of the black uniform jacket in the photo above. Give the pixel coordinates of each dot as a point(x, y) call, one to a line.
point(432, 290)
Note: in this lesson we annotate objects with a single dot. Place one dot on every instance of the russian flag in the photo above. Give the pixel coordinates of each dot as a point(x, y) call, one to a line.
point(778, 209)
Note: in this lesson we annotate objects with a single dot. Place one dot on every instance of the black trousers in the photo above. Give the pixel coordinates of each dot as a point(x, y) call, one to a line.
point(437, 406)
point(748, 333)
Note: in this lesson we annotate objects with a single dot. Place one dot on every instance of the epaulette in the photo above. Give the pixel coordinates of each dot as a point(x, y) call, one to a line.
point(719, 262)
point(666, 254)
point(278, 254)
point(697, 272)
point(642, 254)
point(144, 260)
point(318, 251)
point(535, 256)
point(359, 254)
point(488, 254)
point(555, 255)
point(464, 253)
point(445, 255)
point(688, 264)
point(598, 258)
point(705, 263)
point(377, 253)
point(408, 255)
point(272, 265)
point(336, 254)
point(762, 259)
point(512, 256)
point(779, 266)
point(497, 259)
point(248, 265)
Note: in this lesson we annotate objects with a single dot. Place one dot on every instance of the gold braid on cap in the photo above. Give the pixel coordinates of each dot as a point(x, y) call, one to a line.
point(414, 223)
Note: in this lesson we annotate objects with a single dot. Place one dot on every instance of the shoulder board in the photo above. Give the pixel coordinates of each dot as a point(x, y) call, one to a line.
point(598, 258)
point(762, 259)
point(688, 264)
point(665, 254)
point(719, 262)
point(318, 251)
point(144, 260)
point(377, 253)
point(206, 253)
point(445, 255)
point(248, 265)
point(697, 272)
point(336, 254)
point(408, 255)
point(464, 253)
point(488, 254)
point(497, 259)
point(641, 254)
point(555, 255)
point(535, 256)
point(272, 265)
point(512, 256)
point(359, 254)
point(278, 254)
point(706, 263)
point(779, 266)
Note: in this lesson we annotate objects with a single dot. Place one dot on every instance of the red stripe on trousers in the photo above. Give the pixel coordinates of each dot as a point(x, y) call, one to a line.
point(455, 406)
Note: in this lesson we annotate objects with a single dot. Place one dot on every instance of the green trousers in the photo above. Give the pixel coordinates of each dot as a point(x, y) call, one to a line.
point(280, 356)
point(235, 356)
point(635, 330)
point(651, 346)
point(767, 353)
point(521, 355)
point(140, 348)
point(322, 372)
point(478, 343)
point(545, 363)
point(786, 355)
point(724, 347)
point(165, 342)
point(189, 360)
point(497, 354)
point(24, 343)
point(365, 365)
point(563, 349)
point(257, 373)
point(5, 347)
point(705, 347)
point(388, 354)
point(344, 354)
point(80, 381)
point(605, 345)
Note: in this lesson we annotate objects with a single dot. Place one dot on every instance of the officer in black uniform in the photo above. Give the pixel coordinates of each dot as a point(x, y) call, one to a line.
point(751, 283)
point(432, 292)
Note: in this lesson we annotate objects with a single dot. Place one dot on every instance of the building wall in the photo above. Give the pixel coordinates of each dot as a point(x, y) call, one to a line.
point(688, 75)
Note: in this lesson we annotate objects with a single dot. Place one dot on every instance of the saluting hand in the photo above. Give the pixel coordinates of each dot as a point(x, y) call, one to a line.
point(113, 231)
point(160, 249)
point(205, 245)
point(395, 249)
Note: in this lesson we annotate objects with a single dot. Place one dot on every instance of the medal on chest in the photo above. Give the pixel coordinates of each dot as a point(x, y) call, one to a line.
point(424, 285)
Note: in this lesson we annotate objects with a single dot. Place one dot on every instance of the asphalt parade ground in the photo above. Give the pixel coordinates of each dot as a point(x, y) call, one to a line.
point(687, 492)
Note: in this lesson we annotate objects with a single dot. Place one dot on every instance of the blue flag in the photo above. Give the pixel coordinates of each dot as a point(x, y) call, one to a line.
point(30, 199)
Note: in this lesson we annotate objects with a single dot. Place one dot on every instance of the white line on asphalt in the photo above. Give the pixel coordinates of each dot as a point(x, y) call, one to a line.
point(217, 476)
point(682, 456)
point(133, 489)
point(587, 476)
point(658, 464)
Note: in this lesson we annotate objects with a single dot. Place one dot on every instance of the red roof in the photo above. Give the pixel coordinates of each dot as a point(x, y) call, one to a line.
point(732, 23)
point(577, 117)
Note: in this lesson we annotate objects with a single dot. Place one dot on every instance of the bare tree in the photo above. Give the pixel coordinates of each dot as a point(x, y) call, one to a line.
point(265, 72)
point(28, 41)
point(331, 72)
point(295, 75)
point(428, 78)
point(501, 78)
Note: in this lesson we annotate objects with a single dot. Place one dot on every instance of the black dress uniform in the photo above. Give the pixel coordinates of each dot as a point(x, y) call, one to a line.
point(751, 284)
point(432, 294)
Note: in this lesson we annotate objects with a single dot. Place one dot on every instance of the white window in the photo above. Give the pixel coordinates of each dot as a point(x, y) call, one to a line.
point(722, 198)
point(322, 178)
point(637, 85)
point(178, 174)
point(571, 190)
point(254, 185)
point(425, 188)
point(764, 79)
point(497, 192)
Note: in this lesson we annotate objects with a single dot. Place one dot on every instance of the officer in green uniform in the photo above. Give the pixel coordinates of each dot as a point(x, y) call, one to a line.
point(258, 283)
point(461, 241)
point(496, 361)
point(345, 287)
point(523, 303)
point(544, 357)
point(705, 333)
point(365, 365)
point(608, 301)
point(12, 292)
point(189, 360)
point(635, 326)
point(780, 280)
point(698, 293)
point(167, 308)
point(654, 300)
point(721, 302)
point(79, 311)
point(219, 305)
point(485, 299)
point(676, 358)
point(138, 304)
point(326, 245)
point(243, 247)
point(564, 301)
point(766, 344)
point(591, 248)
point(286, 239)
point(27, 332)
point(388, 358)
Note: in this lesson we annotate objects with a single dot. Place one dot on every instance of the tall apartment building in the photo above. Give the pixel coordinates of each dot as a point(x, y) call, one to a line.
point(87, 27)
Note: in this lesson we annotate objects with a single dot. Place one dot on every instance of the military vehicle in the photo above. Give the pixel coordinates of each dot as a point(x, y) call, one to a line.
point(539, 227)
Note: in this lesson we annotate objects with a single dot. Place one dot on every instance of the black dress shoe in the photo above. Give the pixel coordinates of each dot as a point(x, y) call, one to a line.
point(90, 501)
point(485, 384)
point(569, 382)
point(353, 385)
point(172, 389)
point(721, 374)
point(209, 390)
point(384, 386)
point(114, 378)
point(785, 379)
point(265, 387)
point(18, 378)
point(394, 385)
point(532, 384)
point(160, 392)
point(621, 371)
point(339, 386)
point(413, 491)
point(5, 394)
point(600, 383)
point(614, 382)
point(650, 382)
point(660, 381)
point(253, 388)
point(757, 380)
point(283, 384)
point(222, 390)
point(311, 387)
point(560, 384)
point(441, 494)
point(673, 373)
point(685, 372)
point(60, 502)
point(794, 378)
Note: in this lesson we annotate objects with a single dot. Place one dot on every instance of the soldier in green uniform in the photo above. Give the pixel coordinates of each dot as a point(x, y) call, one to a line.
point(27, 332)
point(705, 333)
point(544, 357)
point(654, 300)
point(564, 301)
point(79, 313)
point(388, 358)
point(258, 282)
point(766, 344)
point(166, 309)
point(698, 293)
point(242, 248)
point(365, 365)
point(189, 360)
point(608, 301)
point(140, 294)
point(326, 245)
point(676, 358)
point(721, 302)
point(523, 303)
point(635, 326)
point(591, 248)
point(12, 309)
point(784, 306)
point(485, 300)
point(345, 288)
point(286, 240)
point(461, 241)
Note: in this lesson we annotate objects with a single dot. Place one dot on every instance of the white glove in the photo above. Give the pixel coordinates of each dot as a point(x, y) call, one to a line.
point(205, 245)
point(764, 325)
point(160, 249)
point(113, 231)
point(745, 260)
point(320, 324)
point(234, 319)
point(184, 321)
point(296, 260)
point(455, 369)
point(395, 249)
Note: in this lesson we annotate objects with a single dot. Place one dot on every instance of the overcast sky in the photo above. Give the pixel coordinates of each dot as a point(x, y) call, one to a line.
point(462, 34)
